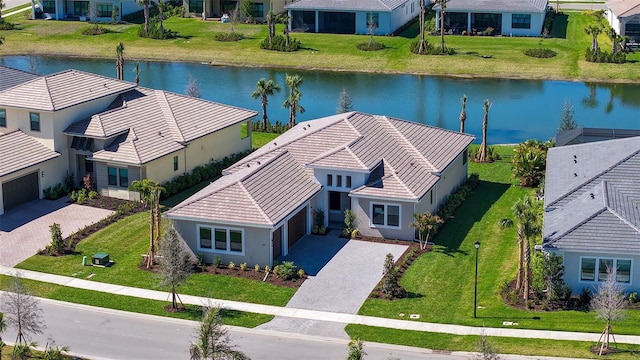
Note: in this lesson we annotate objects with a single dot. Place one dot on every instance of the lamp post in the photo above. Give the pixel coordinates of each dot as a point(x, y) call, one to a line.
point(475, 290)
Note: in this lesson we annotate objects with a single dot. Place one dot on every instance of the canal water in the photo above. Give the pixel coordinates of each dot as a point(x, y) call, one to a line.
point(521, 109)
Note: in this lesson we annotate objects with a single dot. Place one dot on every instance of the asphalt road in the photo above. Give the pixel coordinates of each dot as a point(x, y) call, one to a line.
point(107, 334)
point(13, 3)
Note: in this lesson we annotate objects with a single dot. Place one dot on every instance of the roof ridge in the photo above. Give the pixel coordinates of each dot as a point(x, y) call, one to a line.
point(577, 225)
point(135, 148)
point(46, 86)
point(261, 165)
point(254, 202)
point(584, 183)
point(408, 143)
point(345, 146)
point(394, 173)
point(169, 116)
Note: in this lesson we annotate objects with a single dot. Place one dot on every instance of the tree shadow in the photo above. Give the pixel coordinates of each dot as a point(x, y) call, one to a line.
point(559, 26)
point(412, 295)
point(471, 211)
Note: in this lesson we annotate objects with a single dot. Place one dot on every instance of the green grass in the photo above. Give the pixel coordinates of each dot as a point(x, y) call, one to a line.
point(328, 51)
point(441, 282)
point(126, 241)
point(504, 345)
point(259, 139)
point(132, 304)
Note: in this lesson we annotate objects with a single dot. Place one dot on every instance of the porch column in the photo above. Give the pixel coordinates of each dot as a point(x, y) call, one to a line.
point(317, 21)
point(468, 22)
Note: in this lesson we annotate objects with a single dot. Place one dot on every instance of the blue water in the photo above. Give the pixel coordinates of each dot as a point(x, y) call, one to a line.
point(521, 109)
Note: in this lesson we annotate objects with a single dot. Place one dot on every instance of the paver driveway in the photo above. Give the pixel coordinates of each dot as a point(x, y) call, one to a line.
point(342, 274)
point(25, 229)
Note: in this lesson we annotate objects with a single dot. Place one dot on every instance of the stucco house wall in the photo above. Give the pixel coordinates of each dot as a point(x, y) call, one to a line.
point(102, 181)
point(537, 20)
point(49, 172)
point(362, 209)
point(451, 178)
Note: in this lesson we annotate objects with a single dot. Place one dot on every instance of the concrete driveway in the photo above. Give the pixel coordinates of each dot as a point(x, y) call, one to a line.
point(25, 229)
point(342, 274)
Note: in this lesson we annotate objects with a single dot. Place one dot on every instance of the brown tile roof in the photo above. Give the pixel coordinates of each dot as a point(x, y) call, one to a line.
point(19, 151)
point(403, 159)
point(624, 8)
point(152, 123)
point(61, 90)
point(11, 77)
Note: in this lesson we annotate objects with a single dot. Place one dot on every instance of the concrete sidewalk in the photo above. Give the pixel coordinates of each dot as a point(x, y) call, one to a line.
point(314, 314)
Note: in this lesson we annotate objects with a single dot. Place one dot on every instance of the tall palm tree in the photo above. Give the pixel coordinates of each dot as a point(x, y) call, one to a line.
point(422, 46)
point(264, 89)
point(120, 61)
point(594, 31)
point(443, 7)
point(463, 112)
point(526, 212)
point(613, 36)
point(150, 194)
point(292, 102)
point(272, 19)
point(162, 7)
point(485, 121)
point(284, 18)
point(145, 6)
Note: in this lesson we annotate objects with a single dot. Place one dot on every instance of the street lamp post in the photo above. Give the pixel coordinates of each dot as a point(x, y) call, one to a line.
point(475, 290)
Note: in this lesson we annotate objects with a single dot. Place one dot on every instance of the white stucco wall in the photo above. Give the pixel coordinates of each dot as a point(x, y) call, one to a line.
point(537, 21)
point(362, 209)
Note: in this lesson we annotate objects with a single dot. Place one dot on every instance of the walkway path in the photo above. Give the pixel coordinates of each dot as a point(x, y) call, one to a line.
point(314, 314)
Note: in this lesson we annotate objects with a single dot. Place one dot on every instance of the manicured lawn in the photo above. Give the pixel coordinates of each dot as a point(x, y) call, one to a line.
point(441, 283)
point(476, 55)
point(126, 241)
point(504, 345)
point(259, 139)
point(132, 304)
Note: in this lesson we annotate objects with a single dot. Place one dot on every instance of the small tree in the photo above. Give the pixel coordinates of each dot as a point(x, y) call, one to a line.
point(529, 162)
point(422, 45)
point(482, 153)
point(272, 19)
point(57, 243)
point(594, 31)
point(567, 121)
point(608, 304)
point(115, 14)
point(212, 340)
point(175, 265)
point(344, 102)
point(390, 282)
point(248, 8)
point(463, 112)
point(372, 26)
point(264, 89)
point(23, 313)
point(349, 222)
point(292, 102)
point(355, 350)
point(120, 61)
point(234, 17)
point(486, 351)
point(425, 223)
point(193, 89)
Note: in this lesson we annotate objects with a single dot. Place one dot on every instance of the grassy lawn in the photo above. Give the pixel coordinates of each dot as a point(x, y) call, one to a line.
point(132, 304)
point(125, 241)
point(476, 56)
point(441, 283)
point(504, 345)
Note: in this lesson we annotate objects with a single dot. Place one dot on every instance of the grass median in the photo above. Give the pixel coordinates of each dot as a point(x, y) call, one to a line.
point(482, 56)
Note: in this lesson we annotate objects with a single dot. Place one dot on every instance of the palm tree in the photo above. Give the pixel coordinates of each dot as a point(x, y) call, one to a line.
point(145, 6)
point(526, 213)
point(272, 19)
point(150, 195)
point(463, 112)
point(422, 46)
point(425, 223)
point(613, 36)
point(485, 121)
point(120, 61)
point(594, 31)
point(443, 6)
point(292, 102)
point(284, 18)
point(162, 7)
point(263, 90)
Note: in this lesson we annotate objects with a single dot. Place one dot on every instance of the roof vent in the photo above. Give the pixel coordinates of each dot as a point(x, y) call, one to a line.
point(575, 175)
point(275, 143)
point(575, 161)
point(592, 196)
point(575, 157)
point(159, 133)
point(248, 165)
point(258, 162)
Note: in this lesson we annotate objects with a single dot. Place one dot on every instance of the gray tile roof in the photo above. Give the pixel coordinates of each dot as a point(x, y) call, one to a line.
point(624, 8)
point(403, 159)
point(149, 124)
point(11, 77)
point(19, 151)
point(526, 6)
point(592, 201)
point(61, 90)
point(346, 5)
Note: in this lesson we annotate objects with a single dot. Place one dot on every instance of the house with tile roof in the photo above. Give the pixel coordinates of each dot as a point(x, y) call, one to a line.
point(506, 17)
point(624, 18)
point(80, 10)
point(591, 217)
point(77, 123)
point(216, 8)
point(351, 17)
point(381, 168)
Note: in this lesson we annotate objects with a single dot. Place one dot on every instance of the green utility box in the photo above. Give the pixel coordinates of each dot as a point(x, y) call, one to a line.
point(100, 259)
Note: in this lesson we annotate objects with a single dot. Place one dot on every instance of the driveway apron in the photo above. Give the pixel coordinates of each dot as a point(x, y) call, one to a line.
point(342, 274)
point(25, 229)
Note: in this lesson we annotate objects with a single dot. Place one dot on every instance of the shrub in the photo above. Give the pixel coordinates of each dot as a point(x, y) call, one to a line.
point(57, 245)
point(286, 271)
point(55, 192)
point(227, 36)
point(267, 268)
point(155, 32)
point(541, 53)
point(429, 49)
point(200, 261)
point(93, 194)
point(349, 221)
point(82, 196)
point(279, 44)
point(390, 279)
point(301, 273)
point(243, 266)
point(602, 56)
point(6, 25)
point(94, 30)
point(370, 46)
point(217, 261)
point(232, 265)
point(277, 128)
point(256, 267)
point(355, 233)
point(584, 300)
point(633, 297)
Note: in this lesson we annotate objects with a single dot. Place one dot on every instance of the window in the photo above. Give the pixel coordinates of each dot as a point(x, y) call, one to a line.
point(118, 177)
point(88, 165)
point(48, 6)
point(104, 10)
point(339, 181)
point(329, 180)
point(348, 181)
point(35, 121)
point(385, 215)
point(521, 21)
point(228, 6)
point(195, 6)
point(373, 20)
point(113, 176)
point(175, 163)
point(3, 118)
point(258, 9)
point(124, 177)
point(205, 238)
point(590, 267)
point(220, 239)
point(81, 8)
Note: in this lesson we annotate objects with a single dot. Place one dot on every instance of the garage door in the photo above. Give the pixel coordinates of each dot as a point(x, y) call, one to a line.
point(297, 226)
point(19, 191)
